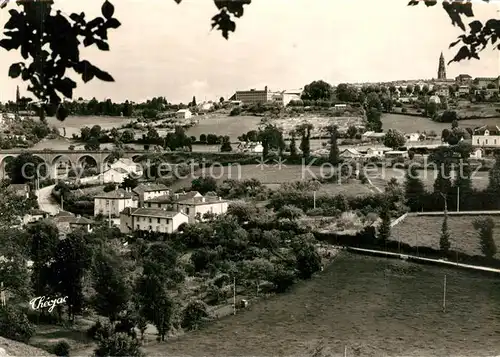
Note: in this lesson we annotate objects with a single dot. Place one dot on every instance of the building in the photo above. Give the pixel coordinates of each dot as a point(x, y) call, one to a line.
point(413, 137)
point(168, 201)
point(151, 220)
point(476, 154)
point(350, 154)
point(20, 189)
point(113, 202)
point(148, 191)
point(251, 147)
point(205, 106)
point(443, 91)
point(483, 82)
point(67, 222)
point(34, 215)
point(113, 175)
point(441, 68)
point(291, 95)
point(396, 154)
point(375, 152)
point(371, 135)
point(488, 135)
point(183, 114)
point(128, 165)
point(254, 96)
point(196, 207)
point(463, 90)
point(463, 78)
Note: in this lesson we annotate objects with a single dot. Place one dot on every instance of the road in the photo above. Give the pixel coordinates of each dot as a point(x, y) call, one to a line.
point(45, 200)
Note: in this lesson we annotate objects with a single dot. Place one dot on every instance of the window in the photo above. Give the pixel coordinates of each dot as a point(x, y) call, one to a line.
point(107, 202)
point(150, 228)
point(478, 141)
point(150, 220)
point(138, 227)
point(158, 220)
point(149, 204)
point(187, 210)
point(486, 141)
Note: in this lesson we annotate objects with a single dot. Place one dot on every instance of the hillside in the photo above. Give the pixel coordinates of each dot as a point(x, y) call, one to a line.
point(9, 348)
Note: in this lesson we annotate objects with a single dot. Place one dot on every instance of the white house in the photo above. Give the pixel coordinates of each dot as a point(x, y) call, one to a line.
point(340, 106)
point(151, 220)
point(290, 95)
point(146, 192)
point(476, 154)
point(165, 201)
point(196, 207)
point(443, 91)
point(113, 175)
point(413, 137)
point(206, 106)
point(371, 135)
point(183, 114)
point(350, 154)
point(112, 203)
point(488, 135)
point(375, 152)
point(128, 165)
point(462, 90)
point(33, 216)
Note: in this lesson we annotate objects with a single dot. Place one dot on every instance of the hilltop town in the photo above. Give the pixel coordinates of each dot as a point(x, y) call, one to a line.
point(157, 219)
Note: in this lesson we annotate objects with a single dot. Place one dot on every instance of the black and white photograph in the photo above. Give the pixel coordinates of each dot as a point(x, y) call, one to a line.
point(220, 178)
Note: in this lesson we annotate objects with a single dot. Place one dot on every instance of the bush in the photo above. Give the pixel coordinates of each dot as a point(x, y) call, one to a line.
point(235, 111)
point(62, 349)
point(14, 324)
point(404, 110)
point(194, 314)
point(109, 187)
point(99, 331)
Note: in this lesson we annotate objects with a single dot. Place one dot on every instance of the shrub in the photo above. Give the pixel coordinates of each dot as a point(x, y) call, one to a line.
point(193, 315)
point(109, 187)
point(62, 349)
point(14, 324)
point(235, 111)
point(485, 227)
point(119, 344)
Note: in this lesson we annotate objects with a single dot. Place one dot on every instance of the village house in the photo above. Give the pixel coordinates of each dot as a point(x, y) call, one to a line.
point(476, 154)
point(483, 82)
point(67, 222)
point(413, 137)
point(20, 189)
point(183, 114)
point(463, 78)
point(371, 135)
point(128, 165)
point(113, 202)
point(396, 154)
point(375, 152)
point(443, 91)
point(34, 215)
point(196, 207)
point(487, 135)
point(165, 201)
point(251, 147)
point(350, 154)
point(113, 175)
point(151, 220)
point(463, 90)
point(148, 191)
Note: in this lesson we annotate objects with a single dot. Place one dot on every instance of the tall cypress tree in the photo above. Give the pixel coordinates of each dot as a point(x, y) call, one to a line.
point(414, 189)
point(444, 239)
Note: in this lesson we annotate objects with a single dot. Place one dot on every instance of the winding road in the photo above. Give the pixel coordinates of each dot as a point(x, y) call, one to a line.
point(45, 200)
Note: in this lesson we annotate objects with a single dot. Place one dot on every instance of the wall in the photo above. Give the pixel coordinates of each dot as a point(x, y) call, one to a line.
point(209, 207)
point(101, 206)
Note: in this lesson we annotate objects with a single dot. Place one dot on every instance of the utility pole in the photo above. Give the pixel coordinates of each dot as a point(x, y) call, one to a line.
point(109, 215)
point(314, 199)
point(445, 202)
point(444, 294)
point(458, 199)
point(62, 202)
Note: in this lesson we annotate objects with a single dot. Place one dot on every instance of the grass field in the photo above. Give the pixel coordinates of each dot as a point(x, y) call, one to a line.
point(425, 231)
point(410, 124)
point(224, 125)
point(373, 306)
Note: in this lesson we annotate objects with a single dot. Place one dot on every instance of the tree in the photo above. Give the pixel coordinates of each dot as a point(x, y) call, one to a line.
point(394, 139)
point(431, 109)
point(304, 131)
point(26, 168)
point(485, 227)
point(494, 177)
point(14, 324)
point(444, 238)
point(204, 184)
point(119, 344)
point(226, 144)
point(289, 212)
point(373, 101)
point(352, 131)
point(62, 349)
point(414, 189)
point(293, 145)
point(346, 93)
point(384, 231)
point(193, 102)
point(308, 261)
point(317, 90)
point(194, 314)
point(130, 182)
point(374, 123)
point(127, 136)
point(334, 153)
point(92, 145)
point(112, 292)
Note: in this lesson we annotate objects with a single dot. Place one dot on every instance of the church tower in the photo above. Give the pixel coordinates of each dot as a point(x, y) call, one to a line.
point(442, 68)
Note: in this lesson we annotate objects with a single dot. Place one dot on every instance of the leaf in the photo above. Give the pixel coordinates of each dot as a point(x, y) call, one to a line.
point(413, 3)
point(65, 86)
point(9, 44)
point(87, 41)
point(88, 72)
point(453, 44)
point(178, 1)
point(25, 74)
point(103, 76)
point(223, 22)
point(15, 70)
point(103, 46)
point(113, 23)
point(463, 53)
point(107, 9)
point(475, 26)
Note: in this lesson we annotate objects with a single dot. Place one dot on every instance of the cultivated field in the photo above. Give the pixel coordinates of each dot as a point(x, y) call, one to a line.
point(73, 124)
point(319, 123)
point(224, 125)
point(425, 231)
point(410, 124)
point(374, 306)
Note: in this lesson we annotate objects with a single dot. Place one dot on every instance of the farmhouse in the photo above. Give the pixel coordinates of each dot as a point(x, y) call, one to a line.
point(33, 216)
point(147, 191)
point(350, 154)
point(370, 135)
point(463, 78)
point(396, 154)
point(128, 165)
point(112, 203)
point(183, 114)
point(476, 154)
point(375, 152)
point(486, 136)
point(463, 90)
point(151, 219)
point(113, 175)
point(66, 222)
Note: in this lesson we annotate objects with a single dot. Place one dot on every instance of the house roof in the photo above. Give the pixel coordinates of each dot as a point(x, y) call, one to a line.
point(351, 151)
point(116, 194)
point(199, 201)
point(128, 162)
point(150, 212)
point(179, 197)
point(117, 169)
point(71, 220)
point(183, 111)
point(37, 212)
point(150, 187)
point(159, 199)
point(493, 130)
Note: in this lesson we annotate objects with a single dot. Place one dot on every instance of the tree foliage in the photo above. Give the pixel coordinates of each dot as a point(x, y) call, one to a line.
point(485, 227)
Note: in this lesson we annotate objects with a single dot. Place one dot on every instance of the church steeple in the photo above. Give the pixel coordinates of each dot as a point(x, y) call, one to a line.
point(442, 67)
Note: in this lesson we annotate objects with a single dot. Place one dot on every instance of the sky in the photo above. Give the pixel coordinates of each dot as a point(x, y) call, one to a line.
point(169, 50)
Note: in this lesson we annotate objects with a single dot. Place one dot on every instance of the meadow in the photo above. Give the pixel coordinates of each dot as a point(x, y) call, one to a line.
point(224, 125)
point(426, 230)
point(372, 306)
point(73, 124)
point(411, 124)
